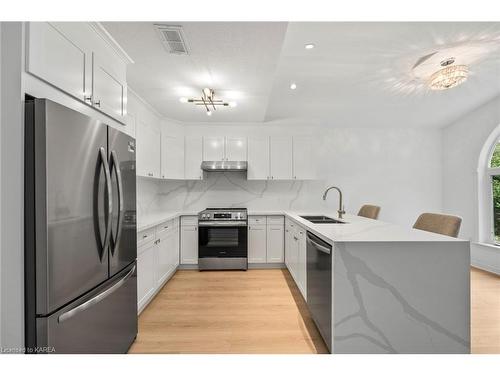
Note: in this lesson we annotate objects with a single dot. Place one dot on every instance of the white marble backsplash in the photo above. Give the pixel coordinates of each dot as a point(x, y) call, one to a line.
point(227, 189)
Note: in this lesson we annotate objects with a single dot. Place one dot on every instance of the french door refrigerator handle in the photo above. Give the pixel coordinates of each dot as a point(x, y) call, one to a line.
point(91, 302)
point(114, 166)
point(318, 246)
point(107, 176)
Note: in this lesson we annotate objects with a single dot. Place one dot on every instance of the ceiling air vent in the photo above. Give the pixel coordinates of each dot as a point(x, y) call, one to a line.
point(172, 38)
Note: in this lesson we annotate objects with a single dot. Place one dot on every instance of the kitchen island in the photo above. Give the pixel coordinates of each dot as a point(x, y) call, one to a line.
point(396, 289)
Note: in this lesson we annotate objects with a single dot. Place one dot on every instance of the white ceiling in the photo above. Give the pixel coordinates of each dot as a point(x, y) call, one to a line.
point(359, 74)
point(237, 59)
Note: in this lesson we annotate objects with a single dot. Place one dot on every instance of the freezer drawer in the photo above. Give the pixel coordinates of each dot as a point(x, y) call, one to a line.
point(102, 321)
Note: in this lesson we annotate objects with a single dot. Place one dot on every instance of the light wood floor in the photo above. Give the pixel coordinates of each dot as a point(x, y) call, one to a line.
point(262, 311)
point(257, 311)
point(485, 312)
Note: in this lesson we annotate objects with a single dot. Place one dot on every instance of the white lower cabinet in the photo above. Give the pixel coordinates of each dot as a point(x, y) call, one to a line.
point(175, 255)
point(157, 259)
point(189, 243)
point(266, 239)
point(296, 254)
point(257, 244)
point(302, 262)
point(275, 243)
point(146, 274)
point(166, 252)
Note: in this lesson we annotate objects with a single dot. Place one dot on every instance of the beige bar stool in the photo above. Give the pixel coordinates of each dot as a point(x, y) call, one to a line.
point(448, 225)
point(369, 211)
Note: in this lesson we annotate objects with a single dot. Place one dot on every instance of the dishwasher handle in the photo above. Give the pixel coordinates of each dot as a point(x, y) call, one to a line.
point(323, 247)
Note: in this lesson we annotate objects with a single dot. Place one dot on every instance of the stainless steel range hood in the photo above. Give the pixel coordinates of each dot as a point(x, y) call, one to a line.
point(224, 166)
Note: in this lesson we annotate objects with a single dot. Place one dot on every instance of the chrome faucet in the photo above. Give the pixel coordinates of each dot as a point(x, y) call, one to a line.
point(341, 206)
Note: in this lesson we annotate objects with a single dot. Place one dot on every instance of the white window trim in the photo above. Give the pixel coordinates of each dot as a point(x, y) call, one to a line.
point(487, 192)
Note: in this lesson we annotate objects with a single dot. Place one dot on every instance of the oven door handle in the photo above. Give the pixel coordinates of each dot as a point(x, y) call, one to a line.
point(223, 224)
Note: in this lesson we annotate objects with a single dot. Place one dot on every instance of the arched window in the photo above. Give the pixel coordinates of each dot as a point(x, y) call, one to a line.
point(494, 173)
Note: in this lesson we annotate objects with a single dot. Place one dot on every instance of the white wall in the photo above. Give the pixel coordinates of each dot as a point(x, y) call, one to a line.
point(463, 143)
point(400, 170)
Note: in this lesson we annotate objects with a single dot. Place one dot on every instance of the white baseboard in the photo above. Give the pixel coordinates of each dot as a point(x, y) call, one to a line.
point(485, 257)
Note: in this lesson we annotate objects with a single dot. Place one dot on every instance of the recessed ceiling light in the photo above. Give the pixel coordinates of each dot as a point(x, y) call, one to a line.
point(310, 46)
point(183, 100)
point(293, 86)
point(233, 104)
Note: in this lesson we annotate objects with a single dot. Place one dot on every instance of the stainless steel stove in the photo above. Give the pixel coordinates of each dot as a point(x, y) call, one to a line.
point(223, 239)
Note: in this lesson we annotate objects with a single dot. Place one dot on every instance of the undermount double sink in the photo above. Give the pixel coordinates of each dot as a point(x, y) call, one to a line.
point(322, 220)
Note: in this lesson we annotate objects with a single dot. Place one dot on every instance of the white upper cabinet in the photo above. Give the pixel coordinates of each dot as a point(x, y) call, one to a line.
point(81, 59)
point(224, 148)
point(54, 56)
point(148, 150)
point(258, 158)
point(109, 91)
point(280, 158)
point(213, 148)
point(172, 157)
point(236, 149)
point(304, 166)
point(193, 155)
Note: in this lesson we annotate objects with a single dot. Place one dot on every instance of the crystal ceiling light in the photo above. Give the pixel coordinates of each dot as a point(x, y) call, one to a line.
point(449, 76)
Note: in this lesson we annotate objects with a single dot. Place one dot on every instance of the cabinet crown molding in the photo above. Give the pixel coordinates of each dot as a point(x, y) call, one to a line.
point(106, 36)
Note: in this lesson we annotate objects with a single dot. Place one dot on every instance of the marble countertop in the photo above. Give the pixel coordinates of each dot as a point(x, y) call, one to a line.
point(360, 229)
point(357, 229)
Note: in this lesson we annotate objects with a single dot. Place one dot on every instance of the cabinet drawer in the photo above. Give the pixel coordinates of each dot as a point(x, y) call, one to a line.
point(256, 220)
point(189, 220)
point(275, 220)
point(145, 236)
point(163, 228)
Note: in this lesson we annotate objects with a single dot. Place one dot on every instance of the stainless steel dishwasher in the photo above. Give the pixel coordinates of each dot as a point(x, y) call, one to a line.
point(319, 285)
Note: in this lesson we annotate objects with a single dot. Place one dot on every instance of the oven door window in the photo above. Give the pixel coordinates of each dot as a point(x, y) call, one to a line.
point(224, 242)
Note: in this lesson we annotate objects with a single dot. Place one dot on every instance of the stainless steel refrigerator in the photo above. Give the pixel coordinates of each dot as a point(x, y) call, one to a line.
point(80, 233)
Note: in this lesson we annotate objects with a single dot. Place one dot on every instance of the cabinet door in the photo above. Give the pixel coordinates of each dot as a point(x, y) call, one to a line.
point(236, 149)
point(172, 157)
point(163, 265)
point(258, 158)
point(146, 274)
point(257, 245)
point(294, 255)
point(213, 148)
point(281, 158)
point(193, 155)
point(148, 150)
point(175, 249)
point(275, 243)
point(302, 262)
point(288, 243)
point(189, 244)
point(56, 57)
point(108, 91)
point(130, 124)
point(304, 166)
